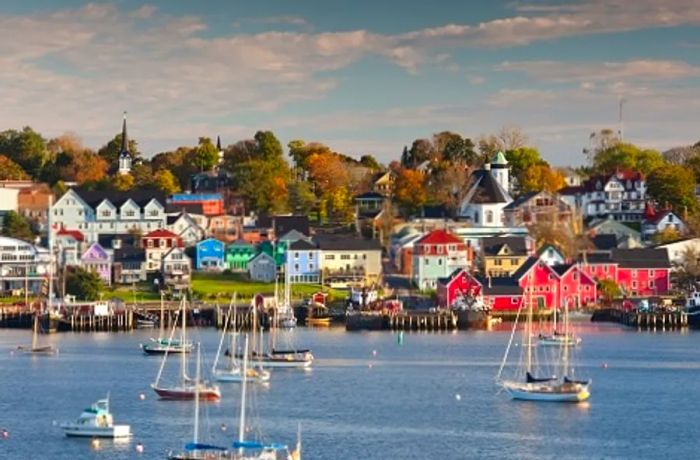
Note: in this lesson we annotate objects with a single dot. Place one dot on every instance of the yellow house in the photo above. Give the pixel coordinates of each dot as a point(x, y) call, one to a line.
point(503, 255)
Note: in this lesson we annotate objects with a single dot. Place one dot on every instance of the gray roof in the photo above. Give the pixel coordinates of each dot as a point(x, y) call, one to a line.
point(140, 196)
point(346, 243)
point(493, 245)
point(301, 245)
point(129, 254)
point(486, 189)
point(499, 285)
point(641, 258)
point(604, 242)
point(521, 199)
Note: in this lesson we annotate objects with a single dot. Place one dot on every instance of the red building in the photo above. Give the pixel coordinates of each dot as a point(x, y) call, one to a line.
point(212, 203)
point(163, 239)
point(641, 272)
point(499, 293)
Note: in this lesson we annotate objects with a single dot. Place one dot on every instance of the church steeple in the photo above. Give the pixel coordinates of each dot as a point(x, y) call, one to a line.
point(124, 154)
point(219, 149)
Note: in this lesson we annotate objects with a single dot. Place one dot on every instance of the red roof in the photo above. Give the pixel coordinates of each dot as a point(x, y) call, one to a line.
point(440, 237)
point(77, 235)
point(161, 233)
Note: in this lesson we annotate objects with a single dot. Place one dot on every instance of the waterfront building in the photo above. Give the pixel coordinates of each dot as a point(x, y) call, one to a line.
point(238, 254)
point(69, 246)
point(489, 194)
point(347, 258)
point(22, 264)
point(97, 260)
point(129, 265)
point(109, 212)
point(499, 294)
point(210, 255)
point(436, 255)
point(262, 268)
point(156, 244)
point(503, 255)
point(302, 263)
point(176, 268)
point(640, 272)
point(402, 253)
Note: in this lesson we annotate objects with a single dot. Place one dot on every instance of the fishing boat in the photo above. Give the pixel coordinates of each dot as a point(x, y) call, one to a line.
point(96, 422)
point(233, 372)
point(186, 388)
point(163, 344)
point(528, 384)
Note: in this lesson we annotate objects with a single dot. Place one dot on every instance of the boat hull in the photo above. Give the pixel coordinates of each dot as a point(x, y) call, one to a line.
point(163, 349)
point(573, 393)
point(237, 377)
point(318, 322)
point(187, 394)
point(77, 431)
point(47, 350)
point(559, 341)
point(282, 363)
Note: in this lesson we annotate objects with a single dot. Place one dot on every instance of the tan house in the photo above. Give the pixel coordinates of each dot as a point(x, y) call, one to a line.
point(534, 207)
point(503, 255)
point(384, 183)
point(223, 228)
point(349, 259)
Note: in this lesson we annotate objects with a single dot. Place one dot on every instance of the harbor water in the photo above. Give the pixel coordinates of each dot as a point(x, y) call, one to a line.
point(369, 396)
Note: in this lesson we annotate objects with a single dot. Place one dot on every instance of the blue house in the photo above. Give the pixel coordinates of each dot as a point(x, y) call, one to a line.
point(302, 263)
point(210, 255)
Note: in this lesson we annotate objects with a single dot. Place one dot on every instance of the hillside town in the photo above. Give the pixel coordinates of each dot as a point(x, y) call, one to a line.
point(451, 219)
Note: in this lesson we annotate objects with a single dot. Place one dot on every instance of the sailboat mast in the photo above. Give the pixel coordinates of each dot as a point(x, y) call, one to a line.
point(196, 396)
point(51, 257)
point(221, 340)
point(565, 343)
point(244, 387)
point(529, 324)
point(162, 315)
point(183, 339)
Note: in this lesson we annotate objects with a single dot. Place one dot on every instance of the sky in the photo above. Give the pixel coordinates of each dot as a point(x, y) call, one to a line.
point(362, 76)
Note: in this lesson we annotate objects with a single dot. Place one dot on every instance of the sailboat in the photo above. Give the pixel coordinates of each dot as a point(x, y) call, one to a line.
point(284, 313)
point(35, 348)
point(163, 344)
point(234, 373)
point(527, 385)
point(186, 388)
point(556, 338)
point(241, 449)
point(290, 358)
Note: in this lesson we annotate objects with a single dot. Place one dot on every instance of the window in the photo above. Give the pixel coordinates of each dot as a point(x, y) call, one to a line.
point(513, 300)
point(651, 273)
point(330, 257)
point(634, 273)
point(149, 243)
point(311, 267)
point(311, 256)
point(489, 217)
point(514, 261)
point(497, 262)
point(345, 257)
point(364, 256)
point(427, 261)
point(439, 249)
point(296, 255)
point(106, 213)
point(440, 261)
point(634, 284)
point(651, 284)
point(130, 213)
point(296, 267)
point(452, 247)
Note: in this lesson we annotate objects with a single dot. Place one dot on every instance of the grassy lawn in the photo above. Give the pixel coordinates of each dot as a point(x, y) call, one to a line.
point(141, 292)
point(208, 285)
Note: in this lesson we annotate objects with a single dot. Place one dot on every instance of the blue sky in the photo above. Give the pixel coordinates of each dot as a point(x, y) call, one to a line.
point(361, 76)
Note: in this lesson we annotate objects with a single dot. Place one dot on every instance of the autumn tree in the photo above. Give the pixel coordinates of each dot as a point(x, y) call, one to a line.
point(123, 182)
point(454, 148)
point(329, 175)
point(673, 185)
point(522, 158)
point(301, 198)
point(666, 235)
point(421, 150)
point(409, 191)
point(688, 269)
point(166, 182)
point(541, 177)
point(9, 170)
point(370, 162)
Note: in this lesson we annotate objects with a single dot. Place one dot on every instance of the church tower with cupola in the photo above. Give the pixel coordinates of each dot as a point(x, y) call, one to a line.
point(125, 158)
point(501, 171)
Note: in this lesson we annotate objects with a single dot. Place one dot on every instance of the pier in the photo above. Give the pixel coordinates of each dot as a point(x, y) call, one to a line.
point(659, 319)
point(410, 320)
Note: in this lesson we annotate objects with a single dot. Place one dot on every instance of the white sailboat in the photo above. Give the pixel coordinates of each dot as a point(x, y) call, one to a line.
point(284, 313)
point(556, 338)
point(186, 388)
point(287, 358)
point(527, 385)
point(163, 344)
point(233, 372)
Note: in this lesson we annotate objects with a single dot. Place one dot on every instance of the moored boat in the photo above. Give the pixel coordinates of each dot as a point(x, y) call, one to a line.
point(96, 422)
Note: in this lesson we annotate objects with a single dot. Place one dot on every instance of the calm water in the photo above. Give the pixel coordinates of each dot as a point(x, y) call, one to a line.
point(431, 398)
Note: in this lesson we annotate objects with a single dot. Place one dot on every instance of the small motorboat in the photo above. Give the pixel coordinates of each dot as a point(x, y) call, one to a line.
point(318, 315)
point(161, 346)
point(559, 340)
point(145, 324)
point(96, 422)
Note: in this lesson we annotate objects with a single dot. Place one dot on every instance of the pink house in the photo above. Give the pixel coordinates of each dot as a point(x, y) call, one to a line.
point(97, 260)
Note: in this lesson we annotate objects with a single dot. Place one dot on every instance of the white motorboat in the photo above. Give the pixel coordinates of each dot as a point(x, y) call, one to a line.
point(96, 422)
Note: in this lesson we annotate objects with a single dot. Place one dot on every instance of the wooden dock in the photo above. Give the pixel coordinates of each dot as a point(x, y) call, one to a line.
point(409, 320)
point(643, 320)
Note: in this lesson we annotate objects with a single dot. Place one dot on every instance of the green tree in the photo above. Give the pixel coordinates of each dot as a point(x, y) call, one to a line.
point(83, 284)
point(301, 198)
point(205, 156)
point(17, 226)
point(453, 148)
point(521, 159)
point(370, 162)
point(9, 170)
point(421, 150)
point(268, 146)
point(627, 156)
point(673, 185)
point(143, 175)
point(609, 289)
point(166, 182)
point(26, 148)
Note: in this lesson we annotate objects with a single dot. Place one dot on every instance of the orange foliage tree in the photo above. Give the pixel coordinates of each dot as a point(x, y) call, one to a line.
point(410, 191)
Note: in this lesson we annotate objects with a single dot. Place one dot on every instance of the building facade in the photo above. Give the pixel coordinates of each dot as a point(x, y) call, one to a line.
point(489, 194)
point(210, 255)
point(436, 255)
point(303, 263)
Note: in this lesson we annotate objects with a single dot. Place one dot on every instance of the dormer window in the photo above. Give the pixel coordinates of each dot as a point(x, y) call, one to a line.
point(129, 213)
point(106, 213)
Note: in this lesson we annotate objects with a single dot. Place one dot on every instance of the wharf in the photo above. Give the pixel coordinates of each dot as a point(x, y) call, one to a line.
point(409, 320)
point(643, 320)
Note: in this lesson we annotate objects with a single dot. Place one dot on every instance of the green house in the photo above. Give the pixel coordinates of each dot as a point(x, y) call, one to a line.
point(238, 254)
point(278, 251)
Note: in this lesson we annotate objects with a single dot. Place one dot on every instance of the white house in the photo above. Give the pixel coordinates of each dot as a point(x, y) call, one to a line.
point(619, 196)
point(22, 264)
point(8, 199)
point(488, 195)
point(662, 221)
point(678, 249)
point(98, 212)
point(185, 227)
point(262, 268)
point(176, 268)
